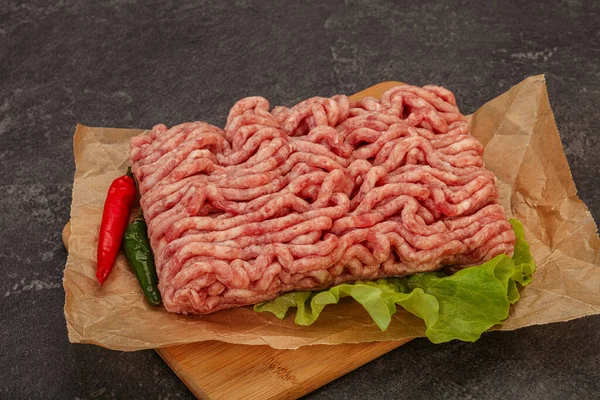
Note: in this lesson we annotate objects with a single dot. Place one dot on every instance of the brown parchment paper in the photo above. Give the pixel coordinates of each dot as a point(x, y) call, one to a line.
point(523, 149)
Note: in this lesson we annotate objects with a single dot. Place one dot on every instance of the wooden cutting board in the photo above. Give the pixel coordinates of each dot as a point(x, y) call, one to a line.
point(218, 370)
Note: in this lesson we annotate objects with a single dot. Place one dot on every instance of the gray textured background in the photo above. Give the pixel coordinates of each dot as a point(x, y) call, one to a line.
point(135, 64)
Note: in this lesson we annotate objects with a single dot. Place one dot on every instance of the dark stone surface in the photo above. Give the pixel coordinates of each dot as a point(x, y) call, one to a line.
point(135, 64)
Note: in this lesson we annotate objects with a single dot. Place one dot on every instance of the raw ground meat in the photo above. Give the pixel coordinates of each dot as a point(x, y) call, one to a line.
point(327, 191)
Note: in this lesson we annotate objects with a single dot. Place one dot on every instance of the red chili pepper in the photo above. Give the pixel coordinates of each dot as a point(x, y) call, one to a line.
point(115, 217)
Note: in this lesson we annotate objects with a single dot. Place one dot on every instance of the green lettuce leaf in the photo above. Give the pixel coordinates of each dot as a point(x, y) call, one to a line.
point(460, 306)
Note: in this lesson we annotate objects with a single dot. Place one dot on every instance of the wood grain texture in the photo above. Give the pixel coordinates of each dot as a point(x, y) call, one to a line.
point(218, 370)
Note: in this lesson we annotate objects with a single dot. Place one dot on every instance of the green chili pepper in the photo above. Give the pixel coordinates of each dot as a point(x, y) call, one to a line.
point(139, 253)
